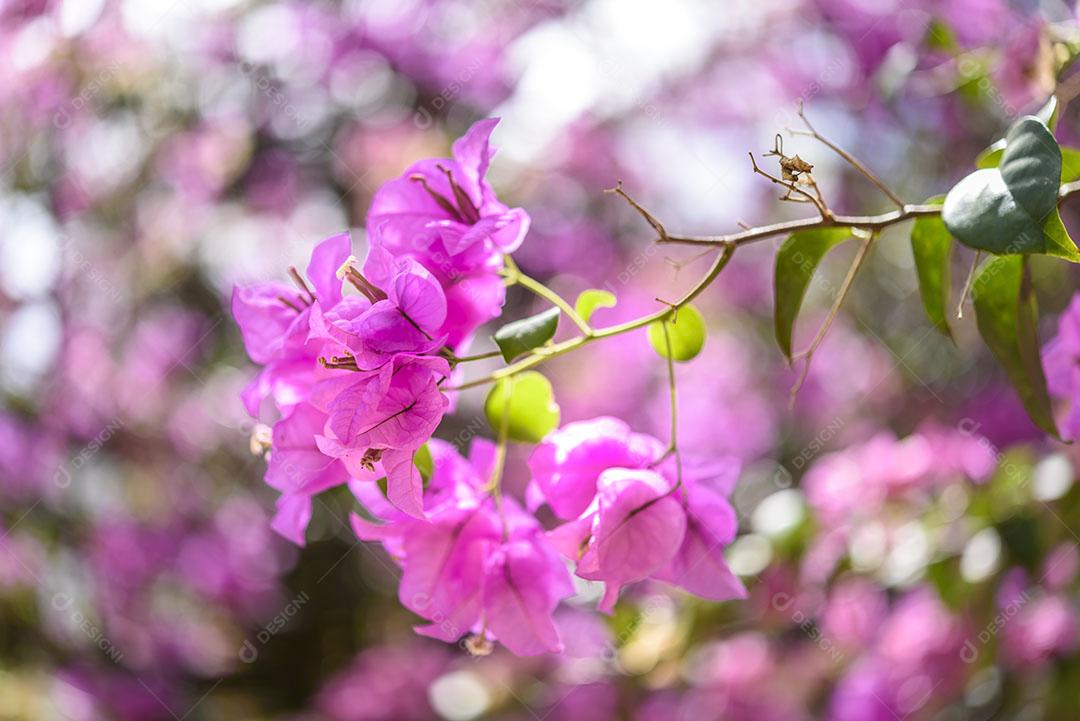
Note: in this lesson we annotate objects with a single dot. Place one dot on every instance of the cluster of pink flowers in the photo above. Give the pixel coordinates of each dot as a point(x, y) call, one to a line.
point(858, 481)
point(1060, 359)
point(629, 517)
point(485, 565)
point(355, 378)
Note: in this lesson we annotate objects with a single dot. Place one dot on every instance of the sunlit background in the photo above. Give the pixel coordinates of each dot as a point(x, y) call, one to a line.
point(906, 534)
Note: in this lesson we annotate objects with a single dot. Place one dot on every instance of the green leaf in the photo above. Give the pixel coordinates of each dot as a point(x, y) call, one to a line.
point(931, 245)
point(590, 300)
point(796, 262)
point(1002, 210)
point(424, 462)
point(521, 336)
point(1058, 242)
point(1070, 164)
point(1048, 113)
point(1070, 160)
point(1006, 314)
point(991, 157)
point(529, 406)
point(685, 332)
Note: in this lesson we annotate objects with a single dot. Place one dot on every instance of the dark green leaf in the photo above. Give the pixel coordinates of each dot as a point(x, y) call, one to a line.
point(796, 262)
point(521, 336)
point(590, 300)
point(685, 333)
point(1002, 210)
point(931, 245)
point(991, 157)
point(1007, 317)
point(1070, 160)
point(528, 405)
point(1058, 242)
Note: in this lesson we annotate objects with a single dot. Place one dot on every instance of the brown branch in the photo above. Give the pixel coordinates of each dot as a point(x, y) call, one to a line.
point(727, 244)
point(851, 159)
point(649, 217)
point(792, 187)
point(866, 222)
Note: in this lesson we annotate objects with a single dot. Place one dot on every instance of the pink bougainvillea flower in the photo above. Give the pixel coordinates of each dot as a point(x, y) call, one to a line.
point(523, 584)
point(274, 321)
point(269, 326)
point(296, 465)
point(856, 482)
point(448, 200)
point(634, 520)
point(291, 516)
point(637, 529)
point(398, 406)
point(470, 568)
point(406, 321)
point(384, 416)
point(298, 469)
point(445, 215)
point(566, 466)
point(1061, 358)
point(699, 566)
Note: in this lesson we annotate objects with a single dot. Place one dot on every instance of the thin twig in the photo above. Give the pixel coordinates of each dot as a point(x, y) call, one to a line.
point(818, 202)
point(967, 285)
point(852, 160)
point(728, 244)
point(558, 349)
point(865, 222)
point(470, 358)
point(680, 264)
point(649, 217)
point(845, 287)
point(673, 446)
point(548, 294)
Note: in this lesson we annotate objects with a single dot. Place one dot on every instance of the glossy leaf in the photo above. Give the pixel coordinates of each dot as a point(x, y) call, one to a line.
point(1002, 210)
point(1058, 242)
point(686, 334)
point(528, 403)
point(931, 245)
point(590, 300)
point(1070, 160)
point(521, 336)
point(991, 157)
point(1007, 317)
point(796, 262)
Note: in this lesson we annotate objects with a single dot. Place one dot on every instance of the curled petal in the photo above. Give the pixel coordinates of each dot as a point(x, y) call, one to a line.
point(322, 270)
point(292, 516)
point(639, 528)
point(518, 600)
point(404, 485)
point(418, 295)
point(267, 324)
